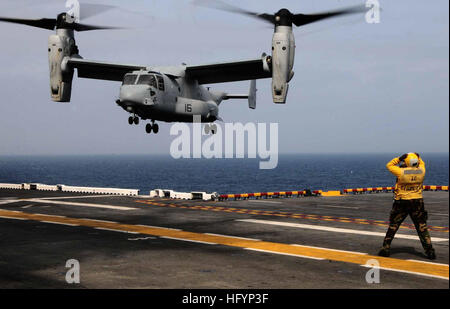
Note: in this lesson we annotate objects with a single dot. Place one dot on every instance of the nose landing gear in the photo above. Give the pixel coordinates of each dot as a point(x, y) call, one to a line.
point(133, 119)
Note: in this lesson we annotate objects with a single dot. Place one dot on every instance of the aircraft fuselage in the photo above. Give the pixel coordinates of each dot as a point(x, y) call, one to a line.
point(155, 96)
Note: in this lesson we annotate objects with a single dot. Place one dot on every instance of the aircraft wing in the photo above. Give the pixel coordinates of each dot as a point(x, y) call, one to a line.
point(101, 70)
point(229, 71)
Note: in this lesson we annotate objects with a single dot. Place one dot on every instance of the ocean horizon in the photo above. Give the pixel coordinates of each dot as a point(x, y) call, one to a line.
point(147, 172)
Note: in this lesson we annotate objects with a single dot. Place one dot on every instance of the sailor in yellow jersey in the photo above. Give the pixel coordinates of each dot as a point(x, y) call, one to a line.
point(408, 200)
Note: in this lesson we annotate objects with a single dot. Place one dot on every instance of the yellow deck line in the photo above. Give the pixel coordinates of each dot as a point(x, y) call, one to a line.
point(407, 266)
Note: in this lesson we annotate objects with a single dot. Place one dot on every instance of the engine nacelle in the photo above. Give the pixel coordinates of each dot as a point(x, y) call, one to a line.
point(61, 45)
point(283, 54)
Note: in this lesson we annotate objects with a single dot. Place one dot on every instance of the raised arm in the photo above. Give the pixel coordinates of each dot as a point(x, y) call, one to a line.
point(393, 167)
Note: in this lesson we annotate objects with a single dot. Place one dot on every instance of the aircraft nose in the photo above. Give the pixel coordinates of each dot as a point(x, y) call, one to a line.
point(134, 93)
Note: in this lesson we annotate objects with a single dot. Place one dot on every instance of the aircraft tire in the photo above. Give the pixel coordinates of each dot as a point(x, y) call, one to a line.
point(148, 128)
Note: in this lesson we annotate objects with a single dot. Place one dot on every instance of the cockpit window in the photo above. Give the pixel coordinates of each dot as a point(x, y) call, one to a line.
point(129, 79)
point(160, 82)
point(147, 80)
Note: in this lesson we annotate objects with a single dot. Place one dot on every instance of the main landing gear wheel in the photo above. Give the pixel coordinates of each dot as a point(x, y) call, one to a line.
point(152, 127)
point(133, 119)
point(155, 128)
point(148, 128)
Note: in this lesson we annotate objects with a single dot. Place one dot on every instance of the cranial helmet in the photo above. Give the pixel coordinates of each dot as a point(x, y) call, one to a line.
point(412, 160)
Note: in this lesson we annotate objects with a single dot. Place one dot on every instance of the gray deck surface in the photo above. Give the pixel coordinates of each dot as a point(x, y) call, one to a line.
point(33, 253)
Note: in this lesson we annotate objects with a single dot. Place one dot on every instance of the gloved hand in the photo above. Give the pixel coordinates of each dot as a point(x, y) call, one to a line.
point(403, 157)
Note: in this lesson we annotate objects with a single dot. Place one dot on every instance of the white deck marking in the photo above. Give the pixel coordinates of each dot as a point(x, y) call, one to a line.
point(80, 204)
point(407, 272)
point(52, 222)
point(243, 238)
point(335, 229)
point(282, 253)
point(113, 230)
point(98, 220)
point(336, 250)
point(427, 262)
point(3, 202)
point(141, 238)
point(6, 217)
point(190, 240)
point(158, 227)
point(52, 216)
point(71, 197)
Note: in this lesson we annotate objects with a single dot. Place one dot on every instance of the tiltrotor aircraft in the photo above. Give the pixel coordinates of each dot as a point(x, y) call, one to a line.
point(175, 93)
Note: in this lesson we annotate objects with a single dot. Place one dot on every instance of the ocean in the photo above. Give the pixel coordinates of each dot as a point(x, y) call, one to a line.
point(147, 172)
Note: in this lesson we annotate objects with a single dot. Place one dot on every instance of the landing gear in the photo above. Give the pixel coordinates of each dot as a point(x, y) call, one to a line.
point(148, 128)
point(210, 128)
point(152, 127)
point(133, 119)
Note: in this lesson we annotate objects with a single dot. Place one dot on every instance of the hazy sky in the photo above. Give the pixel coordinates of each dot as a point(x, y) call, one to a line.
point(357, 87)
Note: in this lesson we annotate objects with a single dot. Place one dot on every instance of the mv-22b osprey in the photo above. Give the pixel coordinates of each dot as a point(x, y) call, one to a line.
point(175, 93)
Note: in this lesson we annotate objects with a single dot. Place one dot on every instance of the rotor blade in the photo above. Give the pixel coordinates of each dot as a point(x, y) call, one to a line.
point(304, 19)
point(89, 9)
point(45, 23)
point(220, 5)
point(83, 27)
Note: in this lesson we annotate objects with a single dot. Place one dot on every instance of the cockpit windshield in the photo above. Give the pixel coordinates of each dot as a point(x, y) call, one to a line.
point(129, 79)
point(147, 80)
point(160, 82)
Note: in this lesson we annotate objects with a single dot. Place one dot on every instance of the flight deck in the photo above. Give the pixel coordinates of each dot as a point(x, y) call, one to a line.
point(142, 242)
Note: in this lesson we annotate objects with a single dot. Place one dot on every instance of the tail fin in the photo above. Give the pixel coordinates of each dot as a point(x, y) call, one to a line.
point(252, 95)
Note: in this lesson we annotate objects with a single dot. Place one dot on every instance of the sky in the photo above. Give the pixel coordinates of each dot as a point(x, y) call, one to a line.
point(358, 87)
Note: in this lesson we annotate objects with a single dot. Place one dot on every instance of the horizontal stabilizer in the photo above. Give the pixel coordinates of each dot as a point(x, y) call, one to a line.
point(251, 95)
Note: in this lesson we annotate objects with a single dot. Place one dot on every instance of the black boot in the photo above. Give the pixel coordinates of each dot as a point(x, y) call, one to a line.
point(384, 251)
point(431, 254)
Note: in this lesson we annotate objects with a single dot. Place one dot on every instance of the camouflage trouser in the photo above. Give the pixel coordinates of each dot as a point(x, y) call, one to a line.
point(400, 210)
